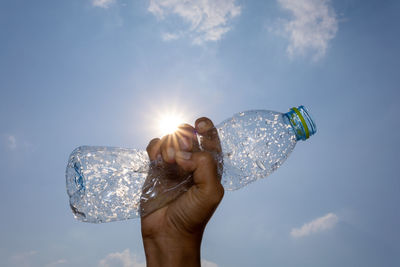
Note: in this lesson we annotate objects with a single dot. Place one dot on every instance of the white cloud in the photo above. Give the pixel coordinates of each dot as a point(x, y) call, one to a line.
point(170, 36)
point(313, 25)
point(12, 142)
point(208, 19)
point(103, 3)
point(318, 225)
point(122, 259)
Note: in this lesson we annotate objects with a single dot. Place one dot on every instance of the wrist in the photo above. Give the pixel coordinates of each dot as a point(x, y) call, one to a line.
point(172, 251)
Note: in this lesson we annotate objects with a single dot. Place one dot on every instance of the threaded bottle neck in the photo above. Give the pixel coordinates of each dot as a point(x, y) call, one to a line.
point(302, 123)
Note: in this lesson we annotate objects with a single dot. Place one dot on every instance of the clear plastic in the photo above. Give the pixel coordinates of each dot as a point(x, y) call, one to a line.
point(104, 183)
point(254, 144)
point(107, 184)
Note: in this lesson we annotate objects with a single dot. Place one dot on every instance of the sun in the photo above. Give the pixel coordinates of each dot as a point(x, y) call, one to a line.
point(166, 117)
point(168, 123)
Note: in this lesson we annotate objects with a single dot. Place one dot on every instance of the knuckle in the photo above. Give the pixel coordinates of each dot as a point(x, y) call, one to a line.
point(165, 142)
point(185, 131)
point(185, 126)
point(152, 143)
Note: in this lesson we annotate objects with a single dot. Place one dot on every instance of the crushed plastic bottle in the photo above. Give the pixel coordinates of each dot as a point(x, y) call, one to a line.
point(105, 184)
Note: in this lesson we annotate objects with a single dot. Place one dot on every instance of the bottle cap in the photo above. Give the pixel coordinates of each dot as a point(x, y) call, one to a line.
point(302, 123)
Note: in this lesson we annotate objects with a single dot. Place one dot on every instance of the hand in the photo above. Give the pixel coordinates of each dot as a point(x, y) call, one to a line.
point(173, 225)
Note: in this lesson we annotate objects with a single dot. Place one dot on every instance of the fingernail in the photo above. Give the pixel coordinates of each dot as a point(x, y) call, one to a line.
point(170, 153)
point(202, 125)
point(184, 155)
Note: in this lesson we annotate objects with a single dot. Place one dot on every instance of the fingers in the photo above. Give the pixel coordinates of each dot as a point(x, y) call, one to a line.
point(153, 148)
point(203, 166)
point(185, 139)
point(185, 136)
point(165, 148)
point(187, 132)
point(205, 174)
point(208, 135)
point(169, 146)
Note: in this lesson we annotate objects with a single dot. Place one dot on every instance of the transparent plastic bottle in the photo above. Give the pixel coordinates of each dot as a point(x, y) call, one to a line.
point(105, 183)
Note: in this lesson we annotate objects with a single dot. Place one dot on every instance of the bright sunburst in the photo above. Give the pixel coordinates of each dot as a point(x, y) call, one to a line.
point(166, 117)
point(169, 122)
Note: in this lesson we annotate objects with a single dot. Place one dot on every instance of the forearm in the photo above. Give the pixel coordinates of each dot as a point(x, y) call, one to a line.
point(167, 252)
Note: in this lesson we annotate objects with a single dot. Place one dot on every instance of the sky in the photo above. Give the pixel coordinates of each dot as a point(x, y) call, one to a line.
point(99, 72)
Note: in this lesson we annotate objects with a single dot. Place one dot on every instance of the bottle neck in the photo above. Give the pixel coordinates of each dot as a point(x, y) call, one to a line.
point(302, 123)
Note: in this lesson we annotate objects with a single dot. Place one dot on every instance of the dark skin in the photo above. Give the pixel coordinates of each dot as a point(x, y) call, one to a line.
point(172, 234)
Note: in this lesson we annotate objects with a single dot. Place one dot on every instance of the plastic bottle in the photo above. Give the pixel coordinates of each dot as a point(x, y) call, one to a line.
point(105, 184)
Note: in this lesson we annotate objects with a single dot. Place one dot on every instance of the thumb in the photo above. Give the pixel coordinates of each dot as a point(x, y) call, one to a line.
point(205, 173)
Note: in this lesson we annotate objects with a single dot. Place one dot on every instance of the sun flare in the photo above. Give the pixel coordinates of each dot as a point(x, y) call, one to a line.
point(168, 123)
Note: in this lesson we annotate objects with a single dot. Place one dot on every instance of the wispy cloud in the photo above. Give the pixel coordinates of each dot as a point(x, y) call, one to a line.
point(124, 259)
point(208, 19)
point(103, 3)
point(318, 225)
point(170, 36)
point(313, 25)
point(15, 143)
point(23, 259)
point(11, 142)
point(56, 263)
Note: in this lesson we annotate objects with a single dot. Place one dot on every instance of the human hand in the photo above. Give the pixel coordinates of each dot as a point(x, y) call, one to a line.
point(173, 223)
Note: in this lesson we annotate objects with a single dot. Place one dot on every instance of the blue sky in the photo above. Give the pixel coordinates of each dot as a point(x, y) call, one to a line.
point(97, 72)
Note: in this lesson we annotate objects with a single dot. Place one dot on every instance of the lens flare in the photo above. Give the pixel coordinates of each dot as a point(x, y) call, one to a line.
point(168, 123)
